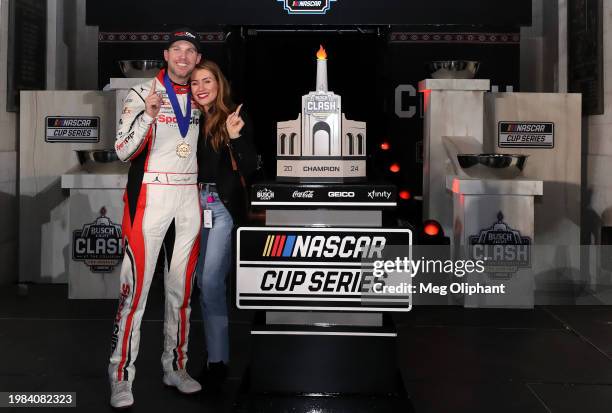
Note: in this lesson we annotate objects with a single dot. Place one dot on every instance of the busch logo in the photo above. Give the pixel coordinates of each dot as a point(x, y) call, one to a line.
point(306, 6)
point(98, 244)
point(503, 248)
point(303, 194)
point(379, 194)
point(265, 194)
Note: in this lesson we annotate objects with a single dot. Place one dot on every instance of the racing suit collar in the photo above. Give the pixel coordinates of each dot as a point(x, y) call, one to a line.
point(178, 88)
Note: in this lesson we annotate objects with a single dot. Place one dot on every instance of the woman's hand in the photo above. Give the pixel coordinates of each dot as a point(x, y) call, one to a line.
point(234, 123)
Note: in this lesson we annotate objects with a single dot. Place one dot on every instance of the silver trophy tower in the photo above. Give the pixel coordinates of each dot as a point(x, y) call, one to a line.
point(321, 145)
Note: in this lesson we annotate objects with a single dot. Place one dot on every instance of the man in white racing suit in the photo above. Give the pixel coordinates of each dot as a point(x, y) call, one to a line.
point(158, 134)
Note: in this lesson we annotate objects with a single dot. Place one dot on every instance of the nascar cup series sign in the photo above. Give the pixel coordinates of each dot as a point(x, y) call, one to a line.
point(526, 135)
point(83, 129)
point(287, 268)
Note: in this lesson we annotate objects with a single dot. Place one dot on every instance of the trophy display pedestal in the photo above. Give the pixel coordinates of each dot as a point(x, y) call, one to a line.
point(320, 328)
point(306, 341)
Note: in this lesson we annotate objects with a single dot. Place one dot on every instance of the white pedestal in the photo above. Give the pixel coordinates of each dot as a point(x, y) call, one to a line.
point(453, 107)
point(94, 227)
point(493, 221)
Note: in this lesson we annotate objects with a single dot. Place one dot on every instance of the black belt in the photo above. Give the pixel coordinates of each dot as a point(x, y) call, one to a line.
point(209, 187)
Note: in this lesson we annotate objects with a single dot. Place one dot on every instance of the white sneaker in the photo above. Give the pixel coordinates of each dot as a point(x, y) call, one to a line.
point(121, 395)
point(182, 381)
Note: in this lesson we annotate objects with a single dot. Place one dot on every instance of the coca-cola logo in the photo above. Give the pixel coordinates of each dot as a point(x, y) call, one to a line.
point(303, 194)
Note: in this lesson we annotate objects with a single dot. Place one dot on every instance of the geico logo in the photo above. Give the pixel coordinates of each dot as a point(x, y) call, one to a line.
point(321, 246)
point(333, 194)
point(331, 281)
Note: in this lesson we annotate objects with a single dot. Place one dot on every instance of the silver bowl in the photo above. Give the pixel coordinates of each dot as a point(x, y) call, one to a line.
point(97, 156)
point(454, 69)
point(492, 165)
point(140, 68)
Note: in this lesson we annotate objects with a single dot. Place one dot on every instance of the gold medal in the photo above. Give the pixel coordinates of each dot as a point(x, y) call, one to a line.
point(183, 150)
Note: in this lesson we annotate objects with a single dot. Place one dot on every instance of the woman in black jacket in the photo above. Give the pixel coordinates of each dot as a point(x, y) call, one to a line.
point(225, 153)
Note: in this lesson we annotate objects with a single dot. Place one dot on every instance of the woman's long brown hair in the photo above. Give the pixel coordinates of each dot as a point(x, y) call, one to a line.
point(215, 131)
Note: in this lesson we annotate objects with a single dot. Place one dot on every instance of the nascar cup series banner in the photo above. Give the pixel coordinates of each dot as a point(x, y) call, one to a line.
point(288, 268)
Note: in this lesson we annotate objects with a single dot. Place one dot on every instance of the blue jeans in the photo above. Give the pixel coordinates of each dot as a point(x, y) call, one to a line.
point(213, 264)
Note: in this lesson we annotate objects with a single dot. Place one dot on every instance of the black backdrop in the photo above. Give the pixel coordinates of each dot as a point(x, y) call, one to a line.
point(271, 65)
point(140, 14)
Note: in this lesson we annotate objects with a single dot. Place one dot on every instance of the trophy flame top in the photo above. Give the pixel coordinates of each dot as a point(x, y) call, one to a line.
point(321, 70)
point(321, 53)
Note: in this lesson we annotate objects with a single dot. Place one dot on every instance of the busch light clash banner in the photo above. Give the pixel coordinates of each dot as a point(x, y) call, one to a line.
point(288, 268)
point(96, 243)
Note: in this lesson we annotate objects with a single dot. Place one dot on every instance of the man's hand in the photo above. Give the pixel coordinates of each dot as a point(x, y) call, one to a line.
point(234, 123)
point(153, 101)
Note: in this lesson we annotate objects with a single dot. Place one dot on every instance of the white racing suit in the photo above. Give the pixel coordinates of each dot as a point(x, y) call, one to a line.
point(161, 200)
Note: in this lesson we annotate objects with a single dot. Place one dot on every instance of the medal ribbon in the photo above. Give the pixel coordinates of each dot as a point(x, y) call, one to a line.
point(181, 120)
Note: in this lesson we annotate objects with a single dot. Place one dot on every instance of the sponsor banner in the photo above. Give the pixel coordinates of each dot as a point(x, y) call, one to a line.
point(321, 195)
point(98, 244)
point(85, 129)
point(306, 6)
point(526, 135)
point(321, 168)
point(288, 268)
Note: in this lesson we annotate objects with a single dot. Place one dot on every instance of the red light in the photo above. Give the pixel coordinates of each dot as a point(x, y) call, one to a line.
point(405, 195)
point(394, 168)
point(385, 146)
point(432, 229)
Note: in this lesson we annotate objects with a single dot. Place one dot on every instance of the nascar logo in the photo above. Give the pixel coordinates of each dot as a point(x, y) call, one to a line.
point(306, 6)
point(59, 123)
point(516, 127)
point(300, 246)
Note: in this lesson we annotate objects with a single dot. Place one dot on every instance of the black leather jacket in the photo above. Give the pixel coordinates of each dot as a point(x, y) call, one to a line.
point(230, 188)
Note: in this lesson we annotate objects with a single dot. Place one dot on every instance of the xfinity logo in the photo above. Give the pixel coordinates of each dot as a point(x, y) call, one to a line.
point(302, 194)
point(379, 194)
point(265, 194)
point(306, 6)
point(300, 246)
point(341, 194)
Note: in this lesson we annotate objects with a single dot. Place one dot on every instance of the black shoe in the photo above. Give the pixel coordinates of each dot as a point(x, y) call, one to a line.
point(213, 377)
